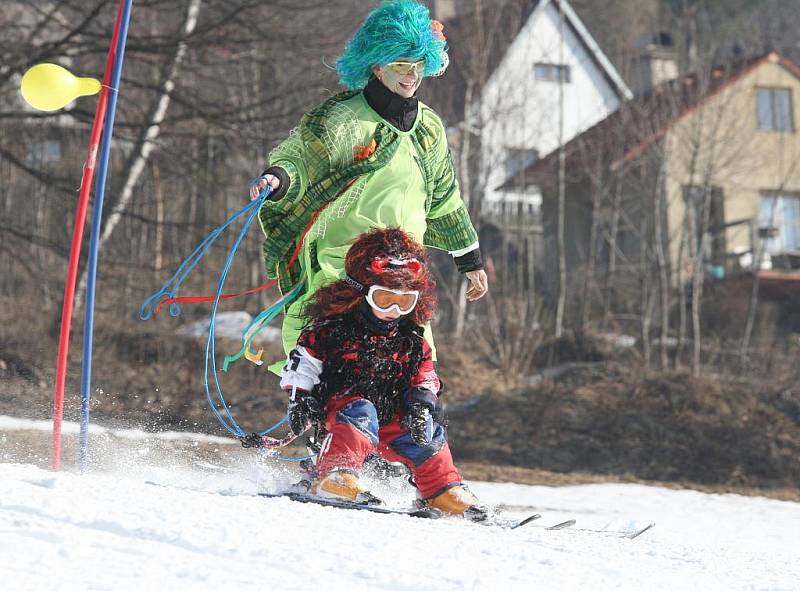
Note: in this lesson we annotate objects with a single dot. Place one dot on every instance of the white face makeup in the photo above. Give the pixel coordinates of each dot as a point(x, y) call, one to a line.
point(404, 85)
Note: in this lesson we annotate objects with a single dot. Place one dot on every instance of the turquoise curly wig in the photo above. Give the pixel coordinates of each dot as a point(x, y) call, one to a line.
point(395, 29)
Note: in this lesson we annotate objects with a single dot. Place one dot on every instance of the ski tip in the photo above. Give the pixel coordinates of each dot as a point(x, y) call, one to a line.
point(639, 532)
point(526, 521)
point(562, 525)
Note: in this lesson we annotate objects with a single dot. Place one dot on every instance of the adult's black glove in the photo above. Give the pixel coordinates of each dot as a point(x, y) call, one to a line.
point(419, 422)
point(253, 440)
point(304, 409)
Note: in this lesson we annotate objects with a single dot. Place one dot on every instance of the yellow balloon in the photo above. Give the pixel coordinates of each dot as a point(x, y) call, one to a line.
point(49, 87)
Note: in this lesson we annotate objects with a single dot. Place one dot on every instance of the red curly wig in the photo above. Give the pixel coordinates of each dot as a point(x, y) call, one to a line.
point(341, 297)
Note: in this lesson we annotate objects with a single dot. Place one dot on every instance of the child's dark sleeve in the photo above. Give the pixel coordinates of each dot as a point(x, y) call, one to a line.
point(425, 384)
point(304, 364)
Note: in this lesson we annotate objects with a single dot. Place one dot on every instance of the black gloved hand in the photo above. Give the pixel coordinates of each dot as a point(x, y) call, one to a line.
point(419, 422)
point(304, 409)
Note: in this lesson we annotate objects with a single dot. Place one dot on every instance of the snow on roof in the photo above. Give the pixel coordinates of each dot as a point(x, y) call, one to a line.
point(498, 25)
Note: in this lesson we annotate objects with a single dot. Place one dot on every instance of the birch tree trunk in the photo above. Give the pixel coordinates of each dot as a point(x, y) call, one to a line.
point(612, 251)
point(589, 278)
point(679, 279)
point(646, 294)
point(562, 271)
point(159, 195)
point(698, 278)
point(697, 297)
point(752, 307)
point(663, 277)
point(146, 142)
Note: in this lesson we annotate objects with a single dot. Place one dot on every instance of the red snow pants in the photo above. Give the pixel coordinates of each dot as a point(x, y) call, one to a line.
point(354, 433)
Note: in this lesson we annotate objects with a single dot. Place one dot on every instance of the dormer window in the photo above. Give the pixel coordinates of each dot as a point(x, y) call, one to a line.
point(551, 72)
point(775, 109)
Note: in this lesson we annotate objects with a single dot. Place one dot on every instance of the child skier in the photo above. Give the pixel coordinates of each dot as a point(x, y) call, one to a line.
point(363, 372)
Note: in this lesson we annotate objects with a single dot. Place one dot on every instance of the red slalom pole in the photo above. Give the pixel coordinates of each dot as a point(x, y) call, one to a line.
point(77, 239)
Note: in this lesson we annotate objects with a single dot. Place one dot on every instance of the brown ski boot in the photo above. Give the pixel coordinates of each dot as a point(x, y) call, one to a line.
point(344, 486)
point(459, 500)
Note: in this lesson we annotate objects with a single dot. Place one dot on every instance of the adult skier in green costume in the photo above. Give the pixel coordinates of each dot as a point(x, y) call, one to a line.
point(372, 156)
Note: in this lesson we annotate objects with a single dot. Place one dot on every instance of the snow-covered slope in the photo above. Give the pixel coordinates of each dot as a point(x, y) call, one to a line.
point(203, 529)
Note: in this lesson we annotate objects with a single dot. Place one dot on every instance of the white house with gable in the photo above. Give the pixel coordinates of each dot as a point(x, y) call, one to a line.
point(552, 83)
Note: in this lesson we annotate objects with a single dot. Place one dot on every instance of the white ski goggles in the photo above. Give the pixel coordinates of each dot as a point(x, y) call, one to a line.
point(385, 299)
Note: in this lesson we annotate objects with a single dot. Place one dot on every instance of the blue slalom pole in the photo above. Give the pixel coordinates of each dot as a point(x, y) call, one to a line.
point(97, 217)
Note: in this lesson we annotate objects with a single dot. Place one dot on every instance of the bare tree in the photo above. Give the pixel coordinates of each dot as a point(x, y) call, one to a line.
point(150, 133)
point(561, 246)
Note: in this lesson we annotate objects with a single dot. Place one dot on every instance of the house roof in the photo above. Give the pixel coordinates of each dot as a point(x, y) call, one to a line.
point(479, 41)
point(628, 132)
point(609, 71)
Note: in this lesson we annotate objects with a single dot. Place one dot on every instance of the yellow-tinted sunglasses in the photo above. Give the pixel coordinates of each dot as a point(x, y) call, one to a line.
point(402, 68)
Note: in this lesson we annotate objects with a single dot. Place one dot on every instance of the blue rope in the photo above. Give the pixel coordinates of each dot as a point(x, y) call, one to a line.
point(220, 408)
point(170, 288)
point(275, 426)
point(229, 423)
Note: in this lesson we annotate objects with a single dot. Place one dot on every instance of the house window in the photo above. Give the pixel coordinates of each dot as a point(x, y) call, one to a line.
point(779, 221)
point(551, 72)
point(775, 109)
point(518, 159)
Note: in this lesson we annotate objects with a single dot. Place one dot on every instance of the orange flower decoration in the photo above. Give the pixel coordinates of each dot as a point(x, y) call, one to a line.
point(364, 152)
point(438, 30)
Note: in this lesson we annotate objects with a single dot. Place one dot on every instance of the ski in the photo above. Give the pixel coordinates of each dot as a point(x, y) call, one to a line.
point(562, 525)
point(526, 521)
point(639, 532)
point(625, 534)
point(516, 523)
point(422, 512)
point(307, 498)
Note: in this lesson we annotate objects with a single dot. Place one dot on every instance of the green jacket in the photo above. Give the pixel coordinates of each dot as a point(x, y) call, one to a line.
point(408, 181)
